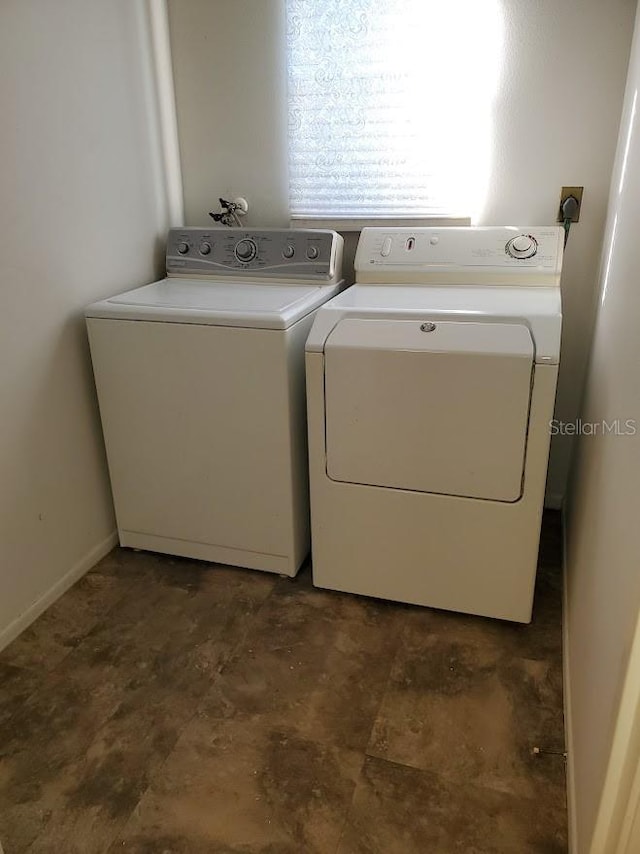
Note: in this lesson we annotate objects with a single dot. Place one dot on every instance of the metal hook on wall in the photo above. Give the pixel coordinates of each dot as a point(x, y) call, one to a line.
point(230, 212)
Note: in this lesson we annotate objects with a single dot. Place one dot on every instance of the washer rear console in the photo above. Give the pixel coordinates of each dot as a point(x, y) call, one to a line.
point(277, 252)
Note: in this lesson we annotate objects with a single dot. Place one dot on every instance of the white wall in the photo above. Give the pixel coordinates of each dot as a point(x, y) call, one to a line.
point(556, 120)
point(603, 534)
point(83, 216)
point(230, 80)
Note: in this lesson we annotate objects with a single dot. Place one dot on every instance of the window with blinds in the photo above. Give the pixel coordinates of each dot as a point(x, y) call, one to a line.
point(390, 106)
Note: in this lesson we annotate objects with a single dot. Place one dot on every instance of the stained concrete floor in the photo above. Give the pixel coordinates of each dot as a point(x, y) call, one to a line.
point(165, 706)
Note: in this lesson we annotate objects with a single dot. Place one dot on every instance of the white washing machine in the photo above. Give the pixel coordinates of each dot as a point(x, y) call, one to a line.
point(430, 387)
point(200, 381)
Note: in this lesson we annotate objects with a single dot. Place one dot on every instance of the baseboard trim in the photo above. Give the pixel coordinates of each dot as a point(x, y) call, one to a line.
point(61, 586)
point(568, 718)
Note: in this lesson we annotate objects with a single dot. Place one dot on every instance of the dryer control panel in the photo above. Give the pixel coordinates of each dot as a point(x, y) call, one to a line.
point(508, 254)
point(310, 254)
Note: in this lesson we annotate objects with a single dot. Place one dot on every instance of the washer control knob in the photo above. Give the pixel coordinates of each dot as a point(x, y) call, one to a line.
point(312, 253)
point(288, 251)
point(522, 246)
point(245, 250)
point(183, 248)
point(205, 248)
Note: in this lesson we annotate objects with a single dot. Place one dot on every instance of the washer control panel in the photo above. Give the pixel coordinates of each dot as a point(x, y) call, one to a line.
point(314, 254)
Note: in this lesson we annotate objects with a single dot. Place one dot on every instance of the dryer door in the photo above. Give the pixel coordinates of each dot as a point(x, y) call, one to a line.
point(442, 409)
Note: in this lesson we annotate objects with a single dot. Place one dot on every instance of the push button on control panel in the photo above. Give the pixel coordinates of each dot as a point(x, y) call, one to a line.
point(386, 247)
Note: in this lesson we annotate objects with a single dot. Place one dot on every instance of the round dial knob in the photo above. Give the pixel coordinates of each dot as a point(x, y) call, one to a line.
point(183, 248)
point(246, 250)
point(288, 251)
point(522, 246)
point(205, 248)
point(312, 253)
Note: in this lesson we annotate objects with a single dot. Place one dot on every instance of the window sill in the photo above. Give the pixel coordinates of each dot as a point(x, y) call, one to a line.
point(357, 224)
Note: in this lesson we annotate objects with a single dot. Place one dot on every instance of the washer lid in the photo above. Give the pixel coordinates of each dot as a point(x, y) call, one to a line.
point(214, 303)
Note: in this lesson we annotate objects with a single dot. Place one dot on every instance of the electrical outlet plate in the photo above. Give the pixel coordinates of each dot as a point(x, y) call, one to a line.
point(564, 194)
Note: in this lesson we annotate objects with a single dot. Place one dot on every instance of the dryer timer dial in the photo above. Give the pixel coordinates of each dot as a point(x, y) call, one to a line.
point(522, 246)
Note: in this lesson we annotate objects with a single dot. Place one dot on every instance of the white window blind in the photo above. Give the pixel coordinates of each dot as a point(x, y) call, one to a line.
point(390, 105)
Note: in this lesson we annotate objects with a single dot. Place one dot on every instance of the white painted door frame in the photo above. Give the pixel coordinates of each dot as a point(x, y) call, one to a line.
point(160, 104)
point(617, 829)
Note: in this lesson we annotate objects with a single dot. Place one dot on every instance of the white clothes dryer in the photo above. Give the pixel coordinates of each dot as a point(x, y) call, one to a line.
point(200, 381)
point(431, 385)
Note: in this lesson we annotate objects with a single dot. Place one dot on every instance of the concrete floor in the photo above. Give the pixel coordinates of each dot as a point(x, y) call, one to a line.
point(167, 706)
